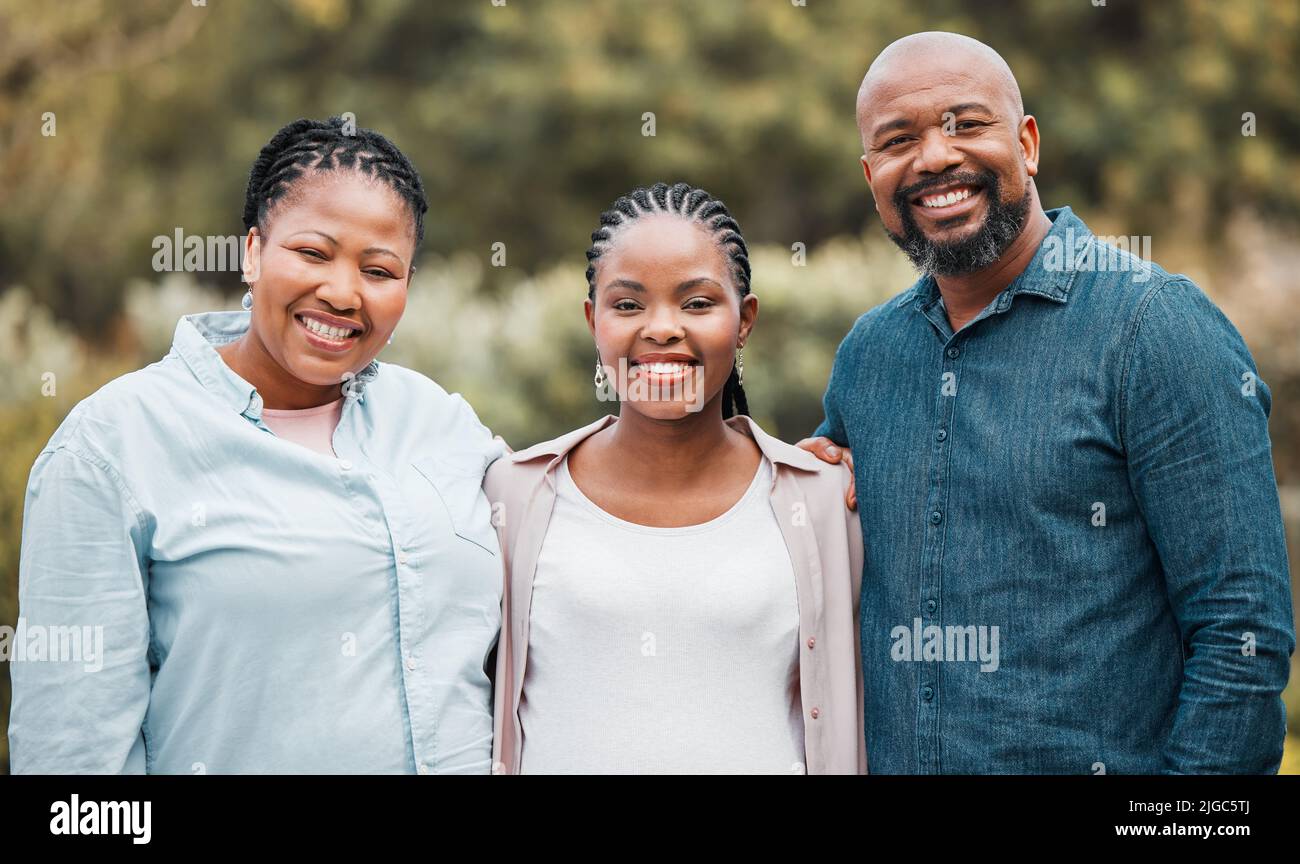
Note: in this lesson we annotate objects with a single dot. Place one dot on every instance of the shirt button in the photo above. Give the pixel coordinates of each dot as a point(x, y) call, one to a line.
point(401, 558)
point(953, 352)
point(815, 713)
point(345, 465)
point(928, 692)
point(410, 663)
point(941, 435)
point(936, 517)
point(812, 641)
point(930, 605)
point(424, 769)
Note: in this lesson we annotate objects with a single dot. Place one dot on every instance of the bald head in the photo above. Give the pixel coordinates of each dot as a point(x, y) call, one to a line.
point(948, 151)
point(916, 60)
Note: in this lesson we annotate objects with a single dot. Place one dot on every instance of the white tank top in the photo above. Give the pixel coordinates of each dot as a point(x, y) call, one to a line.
point(663, 650)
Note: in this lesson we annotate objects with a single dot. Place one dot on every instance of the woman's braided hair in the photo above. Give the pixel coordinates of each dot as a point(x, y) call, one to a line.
point(328, 145)
point(696, 205)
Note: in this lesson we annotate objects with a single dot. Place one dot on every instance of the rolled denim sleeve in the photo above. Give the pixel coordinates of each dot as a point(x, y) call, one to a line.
point(80, 567)
point(1194, 422)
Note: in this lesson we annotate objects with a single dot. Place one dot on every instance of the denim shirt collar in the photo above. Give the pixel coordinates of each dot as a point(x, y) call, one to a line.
point(1049, 274)
point(196, 341)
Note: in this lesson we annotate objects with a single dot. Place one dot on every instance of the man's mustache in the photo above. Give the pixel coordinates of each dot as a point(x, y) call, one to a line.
point(904, 196)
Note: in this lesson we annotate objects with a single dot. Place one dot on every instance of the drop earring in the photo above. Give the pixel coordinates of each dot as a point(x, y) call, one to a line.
point(599, 378)
point(740, 366)
point(247, 302)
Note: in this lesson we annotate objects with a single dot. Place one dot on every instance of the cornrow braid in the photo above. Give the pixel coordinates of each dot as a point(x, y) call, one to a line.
point(322, 145)
point(696, 205)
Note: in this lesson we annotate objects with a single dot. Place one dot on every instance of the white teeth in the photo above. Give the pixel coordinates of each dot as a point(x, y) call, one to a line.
point(336, 333)
point(663, 368)
point(945, 200)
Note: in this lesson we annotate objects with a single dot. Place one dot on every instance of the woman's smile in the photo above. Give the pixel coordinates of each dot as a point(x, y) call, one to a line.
point(328, 332)
point(667, 369)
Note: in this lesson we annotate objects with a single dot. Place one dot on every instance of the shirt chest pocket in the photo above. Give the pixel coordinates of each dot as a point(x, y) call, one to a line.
point(461, 493)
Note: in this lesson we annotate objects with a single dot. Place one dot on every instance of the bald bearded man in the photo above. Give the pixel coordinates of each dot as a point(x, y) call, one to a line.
point(1074, 551)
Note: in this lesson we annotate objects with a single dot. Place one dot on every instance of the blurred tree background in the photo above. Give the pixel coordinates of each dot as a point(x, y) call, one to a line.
point(527, 119)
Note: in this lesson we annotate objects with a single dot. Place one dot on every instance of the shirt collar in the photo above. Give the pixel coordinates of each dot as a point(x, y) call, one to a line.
point(776, 450)
point(1049, 274)
point(196, 341)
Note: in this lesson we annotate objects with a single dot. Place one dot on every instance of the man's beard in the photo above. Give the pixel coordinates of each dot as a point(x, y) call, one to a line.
point(1001, 226)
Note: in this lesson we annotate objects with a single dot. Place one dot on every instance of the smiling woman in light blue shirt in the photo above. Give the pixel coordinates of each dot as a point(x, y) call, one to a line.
point(267, 606)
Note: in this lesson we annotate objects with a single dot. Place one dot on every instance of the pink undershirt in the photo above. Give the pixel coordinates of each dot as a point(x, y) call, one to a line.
point(313, 428)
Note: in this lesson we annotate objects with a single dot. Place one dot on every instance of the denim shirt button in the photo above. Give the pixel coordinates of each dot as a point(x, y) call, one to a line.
point(953, 352)
point(930, 605)
point(928, 693)
point(936, 517)
point(941, 435)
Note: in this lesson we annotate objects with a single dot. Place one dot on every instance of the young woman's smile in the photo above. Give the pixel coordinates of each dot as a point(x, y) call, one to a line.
point(662, 368)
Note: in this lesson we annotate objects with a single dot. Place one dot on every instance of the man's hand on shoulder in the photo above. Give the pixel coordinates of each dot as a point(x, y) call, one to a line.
point(828, 451)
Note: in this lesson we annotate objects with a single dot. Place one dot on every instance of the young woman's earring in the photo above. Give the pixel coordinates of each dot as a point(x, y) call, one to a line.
point(740, 366)
point(599, 378)
point(247, 302)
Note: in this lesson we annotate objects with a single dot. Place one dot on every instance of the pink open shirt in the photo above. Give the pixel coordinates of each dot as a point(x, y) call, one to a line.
point(823, 537)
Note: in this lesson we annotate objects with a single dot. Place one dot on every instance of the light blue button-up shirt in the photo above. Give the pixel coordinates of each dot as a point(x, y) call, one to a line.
point(262, 607)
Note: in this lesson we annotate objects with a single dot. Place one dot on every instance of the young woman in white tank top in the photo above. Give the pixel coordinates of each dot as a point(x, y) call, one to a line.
point(660, 602)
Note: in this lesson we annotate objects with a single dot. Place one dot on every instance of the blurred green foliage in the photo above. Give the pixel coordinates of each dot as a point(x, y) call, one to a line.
point(526, 121)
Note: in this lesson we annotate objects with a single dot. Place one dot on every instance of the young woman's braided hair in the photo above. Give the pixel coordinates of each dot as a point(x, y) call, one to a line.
point(328, 145)
point(696, 205)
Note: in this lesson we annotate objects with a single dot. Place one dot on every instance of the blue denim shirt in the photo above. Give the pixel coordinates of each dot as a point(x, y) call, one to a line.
point(251, 605)
point(1085, 467)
